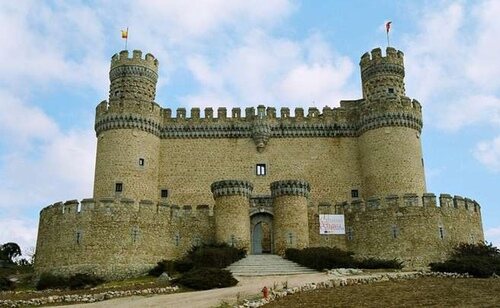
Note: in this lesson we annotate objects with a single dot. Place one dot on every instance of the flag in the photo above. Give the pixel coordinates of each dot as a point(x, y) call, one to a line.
point(124, 34)
point(388, 26)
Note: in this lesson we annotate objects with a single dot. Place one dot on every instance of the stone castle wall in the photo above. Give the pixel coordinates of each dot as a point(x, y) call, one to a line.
point(412, 228)
point(116, 238)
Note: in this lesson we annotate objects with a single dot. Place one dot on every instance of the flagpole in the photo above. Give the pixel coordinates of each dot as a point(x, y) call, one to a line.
point(388, 43)
point(126, 40)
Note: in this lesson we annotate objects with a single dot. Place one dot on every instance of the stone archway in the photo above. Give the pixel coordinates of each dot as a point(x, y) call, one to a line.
point(261, 231)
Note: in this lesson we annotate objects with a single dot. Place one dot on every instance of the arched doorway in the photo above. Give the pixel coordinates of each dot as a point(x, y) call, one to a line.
point(261, 225)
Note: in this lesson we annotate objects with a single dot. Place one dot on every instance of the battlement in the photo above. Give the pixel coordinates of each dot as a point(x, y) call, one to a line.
point(231, 188)
point(122, 58)
point(392, 56)
point(122, 206)
point(290, 188)
point(427, 200)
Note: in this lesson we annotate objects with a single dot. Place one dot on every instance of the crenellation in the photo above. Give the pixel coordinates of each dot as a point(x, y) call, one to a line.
point(458, 202)
point(209, 113)
point(222, 113)
point(181, 114)
point(271, 112)
point(195, 113)
point(285, 113)
point(429, 200)
point(299, 113)
point(236, 113)
point(249, 113)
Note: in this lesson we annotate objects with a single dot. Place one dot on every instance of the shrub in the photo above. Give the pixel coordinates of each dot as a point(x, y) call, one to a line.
point(183, 265)
point(77, 281)
point(51, 281)
point(479, 260)
point(83, 281)
point(207, 278)
point(6, 284)
point(320, 258)
point(215, 255)
point(164, 266)
point(374, 263)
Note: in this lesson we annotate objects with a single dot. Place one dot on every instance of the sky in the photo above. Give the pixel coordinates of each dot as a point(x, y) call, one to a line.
point(55, 56)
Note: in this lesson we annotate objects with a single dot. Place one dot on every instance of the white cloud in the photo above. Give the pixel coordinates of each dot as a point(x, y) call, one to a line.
point(273, 71)
point(20, 231)
point(493, 235)
point(488, 153)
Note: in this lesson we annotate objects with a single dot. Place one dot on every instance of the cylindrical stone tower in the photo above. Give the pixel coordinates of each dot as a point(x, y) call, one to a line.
point(127, 129)
point(390, 124)
point(231, 212)
point(291, 225)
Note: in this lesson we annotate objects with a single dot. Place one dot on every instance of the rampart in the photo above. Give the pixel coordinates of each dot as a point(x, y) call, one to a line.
point(116, 238)
point(413, 228)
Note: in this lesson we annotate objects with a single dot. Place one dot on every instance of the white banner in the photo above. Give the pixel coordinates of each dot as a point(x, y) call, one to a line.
point(331, 224)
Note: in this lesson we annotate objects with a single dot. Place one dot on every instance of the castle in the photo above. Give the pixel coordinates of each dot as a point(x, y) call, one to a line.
point(258, 180)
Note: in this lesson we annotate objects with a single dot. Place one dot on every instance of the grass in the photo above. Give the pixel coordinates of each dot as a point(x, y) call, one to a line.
point(425, 291)
point(139, 283)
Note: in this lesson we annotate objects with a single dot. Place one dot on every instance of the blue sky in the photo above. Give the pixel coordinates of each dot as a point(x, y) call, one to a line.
point(55, 60)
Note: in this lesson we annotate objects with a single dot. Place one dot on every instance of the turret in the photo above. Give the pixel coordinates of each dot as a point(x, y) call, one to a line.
point(382, 76)
point(291, 225)
point(390, 123)
point(133, 78)
point(232, 225)
point(127, 129)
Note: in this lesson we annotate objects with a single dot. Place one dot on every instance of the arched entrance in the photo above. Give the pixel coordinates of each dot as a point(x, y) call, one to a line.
point(261, 225)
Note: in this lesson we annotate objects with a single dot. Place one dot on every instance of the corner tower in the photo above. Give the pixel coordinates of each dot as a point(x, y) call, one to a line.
point(128, 130)
point(389, 127)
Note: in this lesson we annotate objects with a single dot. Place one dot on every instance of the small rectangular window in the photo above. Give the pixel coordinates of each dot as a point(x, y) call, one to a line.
point(354, 193)
point(441, 232)
point(141, 161)
point(260, 169)
point(118, 187)
point(395, 232)
point(390, 90)
point(164, 193)
point(78, 237)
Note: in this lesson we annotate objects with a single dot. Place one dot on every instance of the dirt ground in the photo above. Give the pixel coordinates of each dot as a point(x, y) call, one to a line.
point(247, 287)
point(421, 292)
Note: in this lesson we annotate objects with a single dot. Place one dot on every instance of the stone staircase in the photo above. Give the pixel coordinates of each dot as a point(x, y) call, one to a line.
point(266, 265)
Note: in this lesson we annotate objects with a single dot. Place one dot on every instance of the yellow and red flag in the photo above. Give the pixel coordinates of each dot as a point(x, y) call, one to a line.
point(125, 34)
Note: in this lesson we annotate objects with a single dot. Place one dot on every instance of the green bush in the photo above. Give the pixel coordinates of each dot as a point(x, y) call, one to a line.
point(216, 255)
point(6, 284)
point(51, 281)
point(207, 278)
point(479, 260)
point(183, 265)
point(164, 266)
point(374, 263)
point(83, 281)
point(77, 281)
point(320, 258)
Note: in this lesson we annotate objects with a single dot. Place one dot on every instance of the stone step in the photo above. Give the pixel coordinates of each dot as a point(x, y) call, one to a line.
point(266, 265)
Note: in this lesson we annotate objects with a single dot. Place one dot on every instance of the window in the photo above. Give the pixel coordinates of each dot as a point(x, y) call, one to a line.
point(164, 193)
point(118, 187)
point(78, 237)
point(232, 241)
point(260, 169)
point(395, 232)
point(441, 232)
point(354, 193)
point(177, 239)
point(135, 235)
point(141, 161)
point(390, 90)
point(290, 238)
point(350, 233)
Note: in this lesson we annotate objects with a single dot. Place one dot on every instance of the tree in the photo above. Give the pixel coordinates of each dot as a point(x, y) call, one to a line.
point(9, 251)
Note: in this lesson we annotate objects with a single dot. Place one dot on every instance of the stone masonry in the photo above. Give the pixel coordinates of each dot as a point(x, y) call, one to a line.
point(166, 182)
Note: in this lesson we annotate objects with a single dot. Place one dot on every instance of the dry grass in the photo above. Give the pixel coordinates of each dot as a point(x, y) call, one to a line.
point(436, 292)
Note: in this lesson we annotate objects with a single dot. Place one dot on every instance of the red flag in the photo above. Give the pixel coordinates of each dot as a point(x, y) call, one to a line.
point(388, 26)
